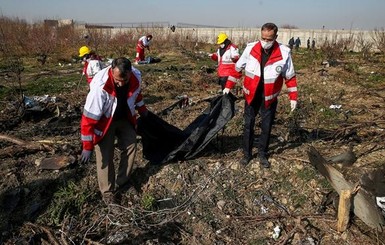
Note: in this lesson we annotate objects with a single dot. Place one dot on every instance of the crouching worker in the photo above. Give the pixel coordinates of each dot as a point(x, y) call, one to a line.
point(92, 63)
point(109, 112)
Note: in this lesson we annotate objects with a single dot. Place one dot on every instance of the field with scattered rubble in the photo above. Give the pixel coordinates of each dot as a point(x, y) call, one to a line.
point(210, 199)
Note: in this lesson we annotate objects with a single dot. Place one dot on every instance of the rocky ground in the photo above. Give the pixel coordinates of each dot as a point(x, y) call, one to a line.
point(210, 199)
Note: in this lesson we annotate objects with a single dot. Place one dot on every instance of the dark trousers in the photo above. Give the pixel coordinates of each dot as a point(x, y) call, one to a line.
point(267, 118)
point(222, 81)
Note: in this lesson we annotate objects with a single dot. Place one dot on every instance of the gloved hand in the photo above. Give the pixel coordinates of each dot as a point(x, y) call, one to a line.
point(85, 156)
point(293, 105)
point(226, 90)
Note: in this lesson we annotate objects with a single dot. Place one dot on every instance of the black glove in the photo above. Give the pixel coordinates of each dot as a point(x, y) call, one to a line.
point(85, 156)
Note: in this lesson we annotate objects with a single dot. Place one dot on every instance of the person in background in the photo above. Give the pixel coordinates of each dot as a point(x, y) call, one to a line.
point(291, 43)
point(226, 56)
point(267, 64)
point(308, 43)
point(313, 44)
point(297, 43)
point(143, 43)
point(109, 113)
point(92, 62)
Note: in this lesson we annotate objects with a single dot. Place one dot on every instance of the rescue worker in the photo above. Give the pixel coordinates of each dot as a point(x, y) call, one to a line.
point(143, 42)
point(109, 112)
point(267, 65)
point(291, 43)
point(92, 63)
point(226, 56)
point(297, 43)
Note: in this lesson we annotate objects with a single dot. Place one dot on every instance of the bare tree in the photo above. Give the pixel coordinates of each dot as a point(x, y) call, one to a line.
point(120, 43)
point(41, 41)
point(364, 46)
point(378, 37)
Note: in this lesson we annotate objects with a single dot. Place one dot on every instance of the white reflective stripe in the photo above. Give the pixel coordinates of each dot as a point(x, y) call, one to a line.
point(269, 81)
point(294, 89)
point(86, 137)
point(232, 79)
point(91, 115)
point(270, 97)
point(227, 62)
point(246, 91)
point(249, 74)
point(98, 132)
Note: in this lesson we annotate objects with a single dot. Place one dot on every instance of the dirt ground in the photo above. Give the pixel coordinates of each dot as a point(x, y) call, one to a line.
point(210, 199)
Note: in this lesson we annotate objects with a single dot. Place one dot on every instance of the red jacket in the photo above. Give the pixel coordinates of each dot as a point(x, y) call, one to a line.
point(278, 69)
point(226, 62)
point(101, 104)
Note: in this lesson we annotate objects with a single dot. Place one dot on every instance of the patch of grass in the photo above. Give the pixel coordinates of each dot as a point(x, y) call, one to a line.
point(328, 114)
point(307, 174)
point(259, 241)
point(352, 68)
point(324, 183)
point(53, 85)
point(4, 91)
point(376, 78)
point(307, 60)
point(298, 199)
point(148, 202)
point(67, 201)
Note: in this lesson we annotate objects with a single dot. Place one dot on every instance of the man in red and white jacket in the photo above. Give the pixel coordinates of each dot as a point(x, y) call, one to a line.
point(143, 42)
point(226, 56)
point(267, 66)
point(109, 112)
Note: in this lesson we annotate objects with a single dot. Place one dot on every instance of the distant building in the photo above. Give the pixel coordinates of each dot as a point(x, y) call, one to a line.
point(59, 23)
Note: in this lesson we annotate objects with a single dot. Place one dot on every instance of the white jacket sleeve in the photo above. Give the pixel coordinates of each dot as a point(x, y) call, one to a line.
point(241, 63)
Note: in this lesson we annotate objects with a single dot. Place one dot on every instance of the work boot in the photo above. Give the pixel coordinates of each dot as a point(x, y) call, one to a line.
point(245, 160)
point(109, 198)
point(264, 162)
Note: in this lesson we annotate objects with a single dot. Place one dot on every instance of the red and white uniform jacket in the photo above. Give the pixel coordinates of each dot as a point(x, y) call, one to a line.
point(91, 67)
point(101, 104)
point(226, 64)
point(278, 69)
point(143, 42)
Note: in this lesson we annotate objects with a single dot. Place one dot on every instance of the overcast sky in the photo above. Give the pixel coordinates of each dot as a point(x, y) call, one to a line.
point(306, 14)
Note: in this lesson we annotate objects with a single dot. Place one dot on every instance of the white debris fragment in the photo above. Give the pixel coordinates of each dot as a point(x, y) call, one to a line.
point(277, 232)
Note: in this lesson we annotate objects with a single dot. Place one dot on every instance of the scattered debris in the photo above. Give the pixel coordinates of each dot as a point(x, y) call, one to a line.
point(276, 232)
point(55, 163)
point(346, 159)
point(364, 206)
point(335, 106)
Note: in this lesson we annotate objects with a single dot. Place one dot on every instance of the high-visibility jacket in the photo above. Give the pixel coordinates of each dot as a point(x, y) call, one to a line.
point(278, 68)
point(226, 64)
point(101, 104)
point(91, 67)
point(143, 42)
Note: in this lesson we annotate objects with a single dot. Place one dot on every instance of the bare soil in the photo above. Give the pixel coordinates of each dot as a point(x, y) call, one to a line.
point(210, 199)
